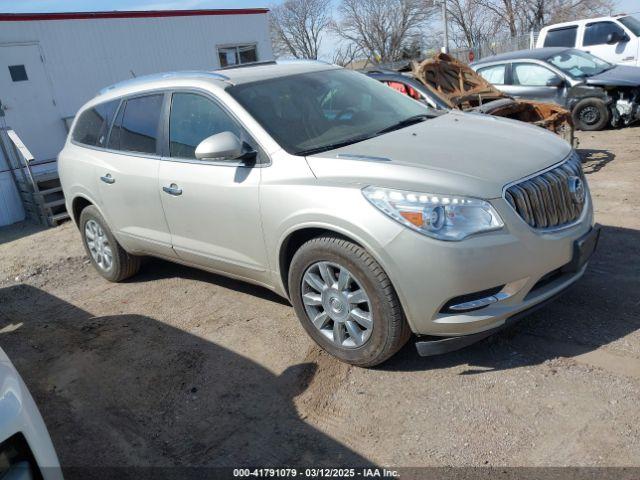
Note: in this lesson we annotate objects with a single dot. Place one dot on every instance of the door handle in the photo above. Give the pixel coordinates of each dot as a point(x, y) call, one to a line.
point(108, 179)
point(172, 189)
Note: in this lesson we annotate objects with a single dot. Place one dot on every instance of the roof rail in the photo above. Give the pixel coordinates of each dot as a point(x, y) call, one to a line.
point(162, 76)
point(301, 60)
point(250, 64)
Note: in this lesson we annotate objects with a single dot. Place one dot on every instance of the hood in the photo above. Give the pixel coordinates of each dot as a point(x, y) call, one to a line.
point(619, 76)
point(457, 153)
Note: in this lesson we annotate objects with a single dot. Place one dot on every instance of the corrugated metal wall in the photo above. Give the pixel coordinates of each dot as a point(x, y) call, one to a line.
point(81, 56)
point(84, 55)
point(11, 210)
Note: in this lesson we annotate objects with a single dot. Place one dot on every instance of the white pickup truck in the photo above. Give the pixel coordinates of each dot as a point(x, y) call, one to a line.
point(614, 39)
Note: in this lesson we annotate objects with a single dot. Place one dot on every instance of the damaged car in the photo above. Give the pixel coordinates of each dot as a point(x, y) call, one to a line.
point(597, 93)
point(444, 82)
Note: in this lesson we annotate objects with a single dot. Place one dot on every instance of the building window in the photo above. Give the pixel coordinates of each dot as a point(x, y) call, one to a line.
point(237, 54)
point(18, 73)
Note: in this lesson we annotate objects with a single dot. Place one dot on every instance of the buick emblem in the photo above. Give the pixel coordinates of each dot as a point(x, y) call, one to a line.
point(576, 188)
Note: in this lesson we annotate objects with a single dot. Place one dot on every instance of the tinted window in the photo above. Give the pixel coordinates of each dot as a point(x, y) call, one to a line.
point(136, 129)
point(494, 74)
point(194, 118)
point(93, 124)
point(597, 33)
point(531, 74)
point(561, 37)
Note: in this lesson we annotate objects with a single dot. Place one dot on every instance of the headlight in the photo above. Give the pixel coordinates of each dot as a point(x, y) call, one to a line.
point(445, 217)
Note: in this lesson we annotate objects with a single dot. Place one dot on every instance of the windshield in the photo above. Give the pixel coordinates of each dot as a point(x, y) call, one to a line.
point(318, 111)
point(632, 23)
point(579, 64)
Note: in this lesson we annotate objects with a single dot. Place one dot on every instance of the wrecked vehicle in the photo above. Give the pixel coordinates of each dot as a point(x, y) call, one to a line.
point(597, 93)
point(444, 82)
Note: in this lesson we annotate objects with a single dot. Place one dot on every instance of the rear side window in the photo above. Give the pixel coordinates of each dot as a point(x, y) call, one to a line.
point(561, 37)
point(494, 74)
point(597, 33)
point(194, 118)
point(93, 124)
point(136, 128)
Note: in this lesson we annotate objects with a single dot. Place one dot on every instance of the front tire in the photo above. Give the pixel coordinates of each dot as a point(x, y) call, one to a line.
point(107, 256)
point(591, 114)
point(346, 302)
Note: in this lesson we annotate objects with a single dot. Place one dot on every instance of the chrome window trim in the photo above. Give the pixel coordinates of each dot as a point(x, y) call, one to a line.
point(117, 152)
point(585, 208)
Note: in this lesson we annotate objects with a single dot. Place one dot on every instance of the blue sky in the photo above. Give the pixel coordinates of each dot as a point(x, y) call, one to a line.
point(94, 5)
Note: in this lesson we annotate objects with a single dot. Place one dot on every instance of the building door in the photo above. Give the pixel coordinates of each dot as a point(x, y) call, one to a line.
point(27, 101)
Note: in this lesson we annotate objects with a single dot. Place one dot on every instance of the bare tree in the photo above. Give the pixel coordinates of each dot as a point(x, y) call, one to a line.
point(535, 14)
point(471, 23)
point(345, 54)
point(383, 29)
point(298, 26)
point(522, 16)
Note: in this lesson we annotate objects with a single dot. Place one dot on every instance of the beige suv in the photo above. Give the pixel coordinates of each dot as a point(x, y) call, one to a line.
point(375, 215)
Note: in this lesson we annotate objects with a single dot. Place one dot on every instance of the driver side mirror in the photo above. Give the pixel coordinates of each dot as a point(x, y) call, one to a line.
point(555, 82)
point(222, 146)
point(616, 37)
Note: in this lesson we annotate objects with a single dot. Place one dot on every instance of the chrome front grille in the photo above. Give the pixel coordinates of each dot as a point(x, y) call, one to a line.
point(552, 199)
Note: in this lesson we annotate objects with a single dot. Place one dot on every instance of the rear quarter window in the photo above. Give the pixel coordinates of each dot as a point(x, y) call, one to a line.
point(93, 124)
point(561, 37)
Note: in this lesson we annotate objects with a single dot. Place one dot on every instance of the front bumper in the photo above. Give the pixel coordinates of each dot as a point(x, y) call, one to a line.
point(428, 273)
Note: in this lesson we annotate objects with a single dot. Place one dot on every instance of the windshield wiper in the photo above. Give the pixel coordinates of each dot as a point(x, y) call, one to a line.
point(404, 123)
point(332, 146)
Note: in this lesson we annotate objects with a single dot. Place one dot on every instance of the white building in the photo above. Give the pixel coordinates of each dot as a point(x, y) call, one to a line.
point(50, 64)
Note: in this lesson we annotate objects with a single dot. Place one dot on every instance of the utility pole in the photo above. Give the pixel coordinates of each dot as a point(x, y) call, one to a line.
point(445, 27)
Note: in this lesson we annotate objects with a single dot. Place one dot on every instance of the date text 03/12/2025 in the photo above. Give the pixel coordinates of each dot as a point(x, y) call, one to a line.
point(315, 473)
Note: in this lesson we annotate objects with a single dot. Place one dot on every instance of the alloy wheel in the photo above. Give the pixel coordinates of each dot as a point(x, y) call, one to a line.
point(336, 304)
point(98, 245)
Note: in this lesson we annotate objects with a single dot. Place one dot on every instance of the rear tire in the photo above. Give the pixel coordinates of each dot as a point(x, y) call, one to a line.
point(591, 114)
point(107, 256)
point(346, 307)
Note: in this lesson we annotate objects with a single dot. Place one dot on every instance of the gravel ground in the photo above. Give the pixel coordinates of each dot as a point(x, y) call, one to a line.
point(182, 367)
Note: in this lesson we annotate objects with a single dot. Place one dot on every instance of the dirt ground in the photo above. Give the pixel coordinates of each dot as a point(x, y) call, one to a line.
point(182, 367)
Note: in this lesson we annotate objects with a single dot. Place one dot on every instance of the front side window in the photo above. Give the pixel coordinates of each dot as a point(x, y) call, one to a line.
point(237, 54)
point(136, 128)
point(494, 74)
point(194, 118)
point(597, 33)
point(561, 37)
point(318, 111)
point(93, 124)
point(579, 64)
point(531, 74)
